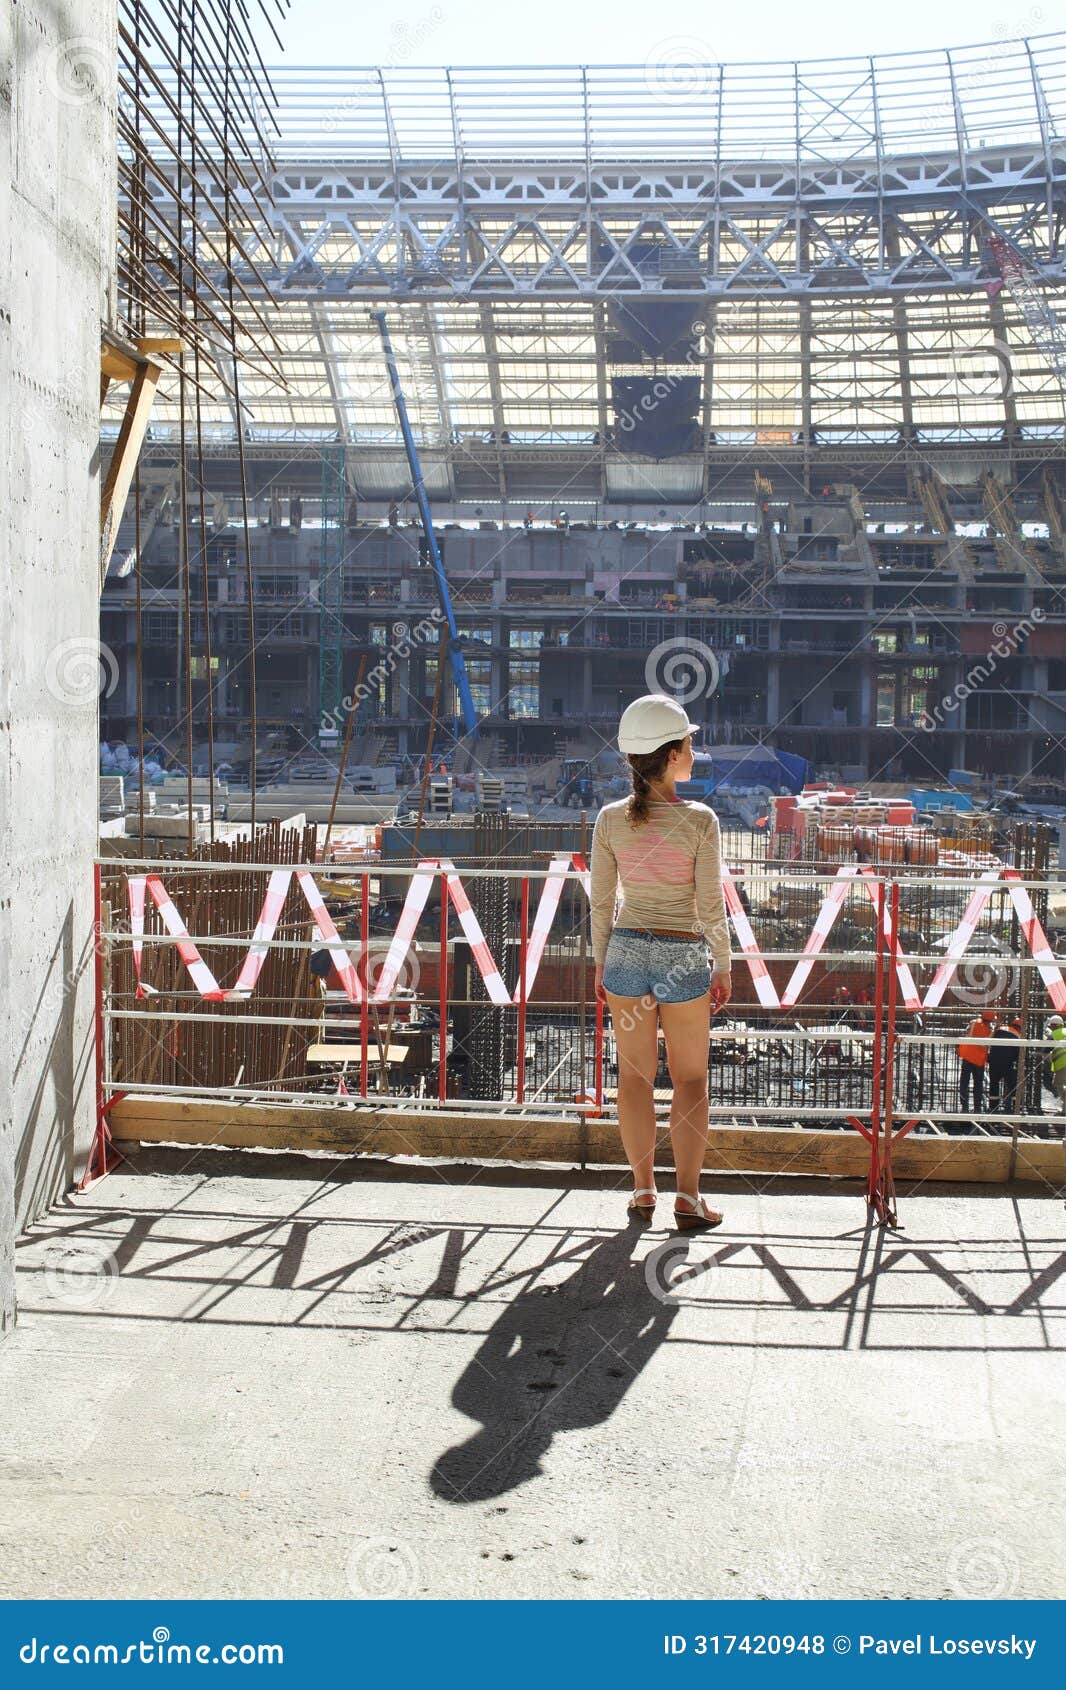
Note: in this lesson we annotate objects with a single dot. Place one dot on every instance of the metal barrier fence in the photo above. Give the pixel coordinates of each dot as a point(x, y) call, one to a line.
point(474, 986)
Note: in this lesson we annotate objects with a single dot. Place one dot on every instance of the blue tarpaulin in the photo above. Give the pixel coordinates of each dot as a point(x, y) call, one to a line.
point(747, 765)
point(930, 799)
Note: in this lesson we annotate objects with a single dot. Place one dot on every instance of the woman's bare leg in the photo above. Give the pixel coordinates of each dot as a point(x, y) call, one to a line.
point(687, 1028)
point(636, 1031)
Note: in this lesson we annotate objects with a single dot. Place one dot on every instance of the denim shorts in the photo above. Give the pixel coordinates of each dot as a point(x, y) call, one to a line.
point(641, 964)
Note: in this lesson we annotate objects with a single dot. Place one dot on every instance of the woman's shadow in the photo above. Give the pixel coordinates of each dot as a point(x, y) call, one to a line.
point(560, 1356)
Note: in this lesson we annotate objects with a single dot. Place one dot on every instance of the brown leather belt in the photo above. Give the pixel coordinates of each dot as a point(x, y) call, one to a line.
point(665, 932)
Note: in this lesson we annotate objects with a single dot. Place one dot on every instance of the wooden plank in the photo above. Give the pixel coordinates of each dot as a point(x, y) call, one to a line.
point(160, 346)
point(117, 365)
point(124, 460)
point(353, 1053)
point(387, 1132)
point(120, 361)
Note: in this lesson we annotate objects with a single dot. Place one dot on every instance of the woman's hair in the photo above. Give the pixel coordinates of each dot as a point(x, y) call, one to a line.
point(647, 769)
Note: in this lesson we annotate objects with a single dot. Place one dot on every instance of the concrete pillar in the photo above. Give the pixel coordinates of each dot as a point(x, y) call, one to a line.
point(867, 696)
point(401, 698)
point(129, 701)
point(220, 698)
point(586, 685)
point(773, 693)
point(57, 244)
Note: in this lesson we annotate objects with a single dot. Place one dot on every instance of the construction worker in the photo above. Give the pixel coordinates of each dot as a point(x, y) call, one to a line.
point(1057, 1029)
point(973, 1057)
point(1003, 1055)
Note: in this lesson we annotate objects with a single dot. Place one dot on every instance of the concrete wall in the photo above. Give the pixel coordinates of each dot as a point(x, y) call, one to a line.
point(57, 212)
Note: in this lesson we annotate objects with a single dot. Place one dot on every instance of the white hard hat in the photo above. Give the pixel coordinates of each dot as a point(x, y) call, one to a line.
point(651, 721)
point(1056, 1021)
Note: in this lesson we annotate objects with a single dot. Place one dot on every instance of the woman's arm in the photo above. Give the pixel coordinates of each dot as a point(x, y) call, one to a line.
point(710, 900)
point(603, 889)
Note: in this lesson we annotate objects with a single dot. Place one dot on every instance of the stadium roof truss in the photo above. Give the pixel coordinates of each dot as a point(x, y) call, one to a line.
point(828, 223)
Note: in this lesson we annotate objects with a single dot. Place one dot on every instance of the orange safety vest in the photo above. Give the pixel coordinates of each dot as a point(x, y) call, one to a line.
point(976, 1053)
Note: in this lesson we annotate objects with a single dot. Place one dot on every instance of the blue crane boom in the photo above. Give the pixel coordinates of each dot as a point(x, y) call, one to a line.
point(455, 656)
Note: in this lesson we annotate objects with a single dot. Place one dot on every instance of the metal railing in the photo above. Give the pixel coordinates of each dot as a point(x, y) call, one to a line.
point(674, 107)
point(822, 1031)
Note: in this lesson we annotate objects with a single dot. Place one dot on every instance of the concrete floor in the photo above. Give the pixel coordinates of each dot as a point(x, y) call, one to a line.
point(276, 1377)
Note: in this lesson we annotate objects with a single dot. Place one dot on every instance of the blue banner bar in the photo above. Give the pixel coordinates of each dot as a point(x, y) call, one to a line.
point(540, 1644)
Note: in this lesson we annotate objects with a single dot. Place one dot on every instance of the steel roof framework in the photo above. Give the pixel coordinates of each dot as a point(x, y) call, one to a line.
point(830, 220)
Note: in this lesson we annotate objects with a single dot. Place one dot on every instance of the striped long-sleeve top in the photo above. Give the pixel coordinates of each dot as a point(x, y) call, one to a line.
point(670, 871)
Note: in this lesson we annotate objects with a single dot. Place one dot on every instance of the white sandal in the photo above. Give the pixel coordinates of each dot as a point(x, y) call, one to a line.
point(701, 1219)
point(643, 1210)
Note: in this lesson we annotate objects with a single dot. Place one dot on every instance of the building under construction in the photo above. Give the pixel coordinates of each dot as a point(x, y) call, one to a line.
point(377, 435)
point(829, 636)
point(672, 397)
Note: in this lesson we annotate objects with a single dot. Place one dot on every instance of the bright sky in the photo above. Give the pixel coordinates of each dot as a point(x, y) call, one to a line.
point(480, 32)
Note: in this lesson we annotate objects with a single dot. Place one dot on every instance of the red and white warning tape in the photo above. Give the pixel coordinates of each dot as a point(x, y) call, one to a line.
point(265, 928)
point(760, 974)
point(827, 915)
point(547, 906)
point(1033, 932)
point(1036, 939)
point(414, 904)
point(560, 869)
point(961, 937)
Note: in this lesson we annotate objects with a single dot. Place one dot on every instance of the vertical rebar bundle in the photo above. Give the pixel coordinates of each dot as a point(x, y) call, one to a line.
point(488, 1025)
point(195, 119)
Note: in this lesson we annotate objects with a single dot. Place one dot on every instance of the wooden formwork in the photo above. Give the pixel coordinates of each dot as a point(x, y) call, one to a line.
point(468, 1137)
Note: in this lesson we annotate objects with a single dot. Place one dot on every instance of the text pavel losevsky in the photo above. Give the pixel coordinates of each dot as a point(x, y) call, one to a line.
point(928, 1644)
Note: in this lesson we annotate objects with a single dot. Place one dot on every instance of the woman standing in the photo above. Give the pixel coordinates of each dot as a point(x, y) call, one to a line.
point(652, 966)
